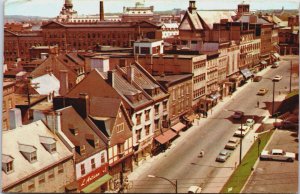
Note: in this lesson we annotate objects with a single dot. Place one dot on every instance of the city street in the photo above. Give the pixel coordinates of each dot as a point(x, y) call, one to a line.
point(211, 136)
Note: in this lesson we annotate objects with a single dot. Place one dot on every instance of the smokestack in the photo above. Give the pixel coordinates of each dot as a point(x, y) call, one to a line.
point(84, 105)
point(101, 11)
point(64, 85)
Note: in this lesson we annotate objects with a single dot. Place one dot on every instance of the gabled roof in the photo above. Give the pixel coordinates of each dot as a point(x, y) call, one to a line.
point(193, 21)
point(52, 24)
point(30, 135)
point(214, 16)
point(246, 19)
point(71, 119)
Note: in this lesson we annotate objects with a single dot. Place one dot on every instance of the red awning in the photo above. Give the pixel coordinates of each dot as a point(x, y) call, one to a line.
point(178, 127)
point(166, 136)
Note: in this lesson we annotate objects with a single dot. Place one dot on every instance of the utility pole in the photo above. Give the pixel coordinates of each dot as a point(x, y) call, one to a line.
point(291, 76)
point(241, 140)
point(273, 98)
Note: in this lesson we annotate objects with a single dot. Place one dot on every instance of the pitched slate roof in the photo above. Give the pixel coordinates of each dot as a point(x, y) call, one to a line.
point(214, 16)
point(193, 21)
point(28, 136)
point(69, 120)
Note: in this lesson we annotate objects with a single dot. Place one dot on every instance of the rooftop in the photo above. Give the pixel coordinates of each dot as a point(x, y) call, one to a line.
point(27, 138)
point(171, 79)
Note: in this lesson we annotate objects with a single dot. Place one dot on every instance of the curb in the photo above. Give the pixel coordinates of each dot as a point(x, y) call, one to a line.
point(256, 163)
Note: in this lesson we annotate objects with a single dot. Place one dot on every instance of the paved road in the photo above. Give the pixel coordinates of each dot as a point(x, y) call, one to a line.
point(211, 136)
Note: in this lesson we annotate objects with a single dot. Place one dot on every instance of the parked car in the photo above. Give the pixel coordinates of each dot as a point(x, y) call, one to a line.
point(257, 78)
point(232, 143)
point(250, 122)
point(194, 189)
point(223, 156)
point(241, 132)
point(262, 91)
point(286, 124)
point(277, 154)
point(277, 78)
point(238, 114)
point(275, 65)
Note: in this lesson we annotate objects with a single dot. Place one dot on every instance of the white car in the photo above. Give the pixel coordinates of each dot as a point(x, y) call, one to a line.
point(277, 154)
point(241, 132)
point(250, 122)
point(232, 143)
point(194, 189)
point(277, 78)
point(275, 64)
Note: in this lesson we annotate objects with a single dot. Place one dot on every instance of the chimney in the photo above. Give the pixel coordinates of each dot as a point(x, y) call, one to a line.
point(192, 8)
point(84, 105)
point(130, 73)
point(110, 77)
point(15, 118)
point(58, 121)
point(101, 11)
point(64, 85)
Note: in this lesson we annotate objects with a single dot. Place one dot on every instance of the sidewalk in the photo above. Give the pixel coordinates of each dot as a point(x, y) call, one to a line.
point(199, 123)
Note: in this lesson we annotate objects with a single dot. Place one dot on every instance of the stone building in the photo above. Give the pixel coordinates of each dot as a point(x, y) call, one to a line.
point(7, 104)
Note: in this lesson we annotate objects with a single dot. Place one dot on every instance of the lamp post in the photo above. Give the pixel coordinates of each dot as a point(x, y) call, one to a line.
point(241, 140)
point(172, 183)
point(273, 97)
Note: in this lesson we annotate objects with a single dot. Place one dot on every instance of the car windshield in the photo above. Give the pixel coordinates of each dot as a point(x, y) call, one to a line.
point(223, 153)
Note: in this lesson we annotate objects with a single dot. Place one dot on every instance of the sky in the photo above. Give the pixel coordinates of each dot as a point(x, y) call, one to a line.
point(51, 8)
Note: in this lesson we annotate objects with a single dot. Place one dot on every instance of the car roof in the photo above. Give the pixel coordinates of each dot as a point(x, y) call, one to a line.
point(234, 139)
point(224, 151)
point(277, 151)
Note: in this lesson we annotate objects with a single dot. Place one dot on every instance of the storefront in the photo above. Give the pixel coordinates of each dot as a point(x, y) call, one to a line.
point(94, 182)
point(246, 73)
point(143, 150)
point(263, 64)
point(163, 141)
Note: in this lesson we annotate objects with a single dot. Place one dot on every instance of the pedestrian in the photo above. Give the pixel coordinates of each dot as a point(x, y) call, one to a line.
point(257, 103)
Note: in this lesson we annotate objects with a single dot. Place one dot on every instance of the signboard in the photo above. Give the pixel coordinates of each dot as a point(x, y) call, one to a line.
point(92, 176)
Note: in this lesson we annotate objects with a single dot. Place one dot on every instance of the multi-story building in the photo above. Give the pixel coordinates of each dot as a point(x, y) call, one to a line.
point(17, 44)
point(138, 13)
point(8, 103)
point(180, 101)
point(34, 159)
point(109, 120)
point(169, 30)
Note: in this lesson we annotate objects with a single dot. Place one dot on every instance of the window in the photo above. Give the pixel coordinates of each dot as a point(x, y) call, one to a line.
point(5, 125)
point(7, 163)
point(51, 174)
point(33, 156)
point(120, 128)
point(156, 124)
point(147, 115)
point(82, 169)
point(147, 129)
point(156, 109)
point(138, 135)
point(93, 163)
point(145, 50)
point(138, 118)
point(82, 150)
point(165, 105)
point(60, 168)
point(102, 158)
point(31, 185)
point(41, 179)
point(136, 49)
point(120, 148)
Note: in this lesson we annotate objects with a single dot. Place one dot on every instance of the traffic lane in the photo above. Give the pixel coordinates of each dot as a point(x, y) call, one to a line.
point(276, 176)
point(187, 152)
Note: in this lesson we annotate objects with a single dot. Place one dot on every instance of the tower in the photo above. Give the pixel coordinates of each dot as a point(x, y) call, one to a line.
point(192, 8)
point(68, 4)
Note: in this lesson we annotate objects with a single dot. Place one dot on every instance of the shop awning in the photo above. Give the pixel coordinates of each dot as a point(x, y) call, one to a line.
point(215, 96)
point(97, 183)
point(178, 127)
point(276, 55)
point(264, 62)
point(246, 73)
point(165, 137)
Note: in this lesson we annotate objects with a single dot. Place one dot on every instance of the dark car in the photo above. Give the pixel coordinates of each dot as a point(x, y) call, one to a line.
point(257, 78)
point(286, 125)
point(238, 115)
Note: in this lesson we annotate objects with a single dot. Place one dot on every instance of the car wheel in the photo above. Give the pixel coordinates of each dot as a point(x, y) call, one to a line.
point(290, 160)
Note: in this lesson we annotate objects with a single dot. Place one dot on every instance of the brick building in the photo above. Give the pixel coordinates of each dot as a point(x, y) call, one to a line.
point(8, 103)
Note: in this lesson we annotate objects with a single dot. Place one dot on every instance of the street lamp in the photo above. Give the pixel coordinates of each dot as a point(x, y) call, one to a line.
point(241, 139)
point(172, 183)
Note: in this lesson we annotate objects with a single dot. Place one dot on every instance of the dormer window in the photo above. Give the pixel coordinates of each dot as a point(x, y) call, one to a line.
point(29, 152)
point(97, 143)
point(74, 130)
point(82, 150)
point(7, 164)
point(93, 141)
point(49, 143)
